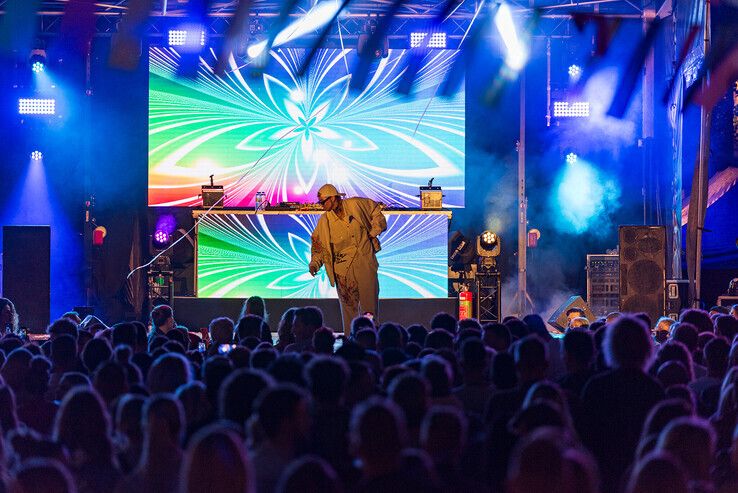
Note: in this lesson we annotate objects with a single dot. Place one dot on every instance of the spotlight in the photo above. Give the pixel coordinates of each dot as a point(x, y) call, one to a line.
point(488, 244)
point(161, 239)
point(35, 106)
point(516, 55)
point(437, 40)
point(37, 155)
point(37, 59)
point(187, 36)
point(571, 158)
point(565, 109)
point(37, 67)
point(575, 71)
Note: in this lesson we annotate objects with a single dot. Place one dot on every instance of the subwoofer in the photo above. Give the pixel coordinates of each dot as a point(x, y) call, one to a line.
point(643, 270)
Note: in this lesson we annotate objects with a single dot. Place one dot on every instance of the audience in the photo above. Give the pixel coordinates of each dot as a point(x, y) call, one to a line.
point(612, 407)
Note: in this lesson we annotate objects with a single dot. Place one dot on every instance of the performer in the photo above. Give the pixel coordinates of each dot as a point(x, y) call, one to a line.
point(345, 242)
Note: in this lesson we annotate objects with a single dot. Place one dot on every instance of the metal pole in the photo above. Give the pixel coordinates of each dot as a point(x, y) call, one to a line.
point(705, 116)
point(548, 81)
point(522, 295)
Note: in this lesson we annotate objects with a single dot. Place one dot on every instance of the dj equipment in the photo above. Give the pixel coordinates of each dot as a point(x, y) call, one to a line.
point(212, 195)
point(603, 283)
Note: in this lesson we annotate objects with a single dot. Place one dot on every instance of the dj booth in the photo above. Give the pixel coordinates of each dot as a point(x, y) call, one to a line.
point(242, 253)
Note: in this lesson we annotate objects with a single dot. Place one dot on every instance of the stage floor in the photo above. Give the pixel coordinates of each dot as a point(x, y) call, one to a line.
point(196, 313)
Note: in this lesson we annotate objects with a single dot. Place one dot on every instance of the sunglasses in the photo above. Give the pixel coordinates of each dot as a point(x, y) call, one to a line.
point(322, 202)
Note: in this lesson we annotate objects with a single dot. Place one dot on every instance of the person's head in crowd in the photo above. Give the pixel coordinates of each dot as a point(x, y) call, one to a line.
point(254, 306)
point(467, 333)
point(323, 341)
point(497, 336)
point(308, 319)
point(69, 381)
point(162, 319)
point(531, 359)
point(282, 413)
point(309, 473)
point(445, 321)
point(351, 351)
point(596, 325)
point(699, 318)
point(628, 344)
point(43, 474)
point(658, 471)
point(417, 334)
point(327, 380)
point(110, 381)
point(469, 323)
point(221, 331)
point(504, 375)
point(719, 310)
point(546, 391)
point(360, 323)
point(675, 351)
point(734, 311)
point(62, 326)
point(731, 377)
point(285, 334)
point(124, 333)
point(672, 372)
point(518, 328)
point(163, 427)
point(214, 371)
point(378, 435)
point(388, 336)
point(579, 323)
point(443, 435)
point(579, 350)
point(692, 441)
point(83, 427)
point(8, 415)
point(15, 369)
point(573, 313)
point(393, 356)
point(474, 359)
point(541, 413)
point(73, 316)
point(216, 461)
point(537, 326)
point(665, 324)
point(127, 419)
point(537, 463)
point(194, 399)
point(288, 368)
point(645, 317)
point(238, 393)
point(715, 355)
point(8, 316)
point(168, 372)
point(261, 359)
point(367, 338)
point(63, 353)
point(682, 392)
point(439, 339)
point(726, 326)
point(658, 417)
point(251, 326)
point(411, 393)
point(439, 375)
point(687, 334)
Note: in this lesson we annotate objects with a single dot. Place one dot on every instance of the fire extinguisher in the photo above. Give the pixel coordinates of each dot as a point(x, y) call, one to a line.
point(465, 305)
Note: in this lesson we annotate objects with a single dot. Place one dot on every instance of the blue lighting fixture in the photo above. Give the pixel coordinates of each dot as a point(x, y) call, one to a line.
point(517, 53)
point(186, 36)
point(36, 106)
point(37, 156)
point(571, 158)
point(161, 239)
point(575, 72)
point(565, 109)
point(437, 40)
point(37, 67)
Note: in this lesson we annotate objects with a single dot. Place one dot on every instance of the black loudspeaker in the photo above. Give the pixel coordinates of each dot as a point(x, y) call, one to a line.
point(677, 294)
point(559, 319)
point(643, 270)
point(26, 273)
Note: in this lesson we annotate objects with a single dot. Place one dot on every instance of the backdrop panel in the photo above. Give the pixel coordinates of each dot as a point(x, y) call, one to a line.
point(242, 254)
point(287, 135)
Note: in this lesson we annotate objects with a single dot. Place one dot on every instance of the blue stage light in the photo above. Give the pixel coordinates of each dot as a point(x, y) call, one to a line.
point(162, 236)
point(575, 72)
point(565, 109)
point(571, 158)
point(37, 156)
point(37, 67)
point(437, 40)
point(186, 36)
point(36, 106)
point(516, 55)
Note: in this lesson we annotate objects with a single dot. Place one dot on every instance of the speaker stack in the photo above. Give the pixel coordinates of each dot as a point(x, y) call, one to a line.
point(643, 270)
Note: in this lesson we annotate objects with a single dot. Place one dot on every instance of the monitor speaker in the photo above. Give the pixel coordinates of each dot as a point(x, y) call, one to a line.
point(559, 319)
point(26, 273)
point(643, 270)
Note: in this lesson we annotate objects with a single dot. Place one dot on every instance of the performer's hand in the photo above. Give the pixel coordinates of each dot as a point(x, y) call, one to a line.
point(313, 269)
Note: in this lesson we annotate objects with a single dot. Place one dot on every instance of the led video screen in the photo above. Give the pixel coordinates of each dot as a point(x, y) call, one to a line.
point(245, 254)
point(284, 135)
